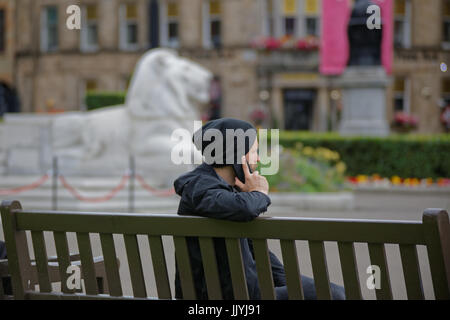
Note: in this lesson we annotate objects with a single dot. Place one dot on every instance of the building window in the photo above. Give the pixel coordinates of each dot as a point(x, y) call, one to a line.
point(402, 23)
point(169, 25)
point(312, 21)
point(49, 29)
point(128, 26)
point(2, 30)
point(292, 18)
point(212, 24)
point(269, 18)
point(446, 22)
point(289, 17)
point(89, 31)
point(446, 91)
point(401, 95)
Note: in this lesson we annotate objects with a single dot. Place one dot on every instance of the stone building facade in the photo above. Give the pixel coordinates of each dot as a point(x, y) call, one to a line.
point(53, 66)
point(7, 45)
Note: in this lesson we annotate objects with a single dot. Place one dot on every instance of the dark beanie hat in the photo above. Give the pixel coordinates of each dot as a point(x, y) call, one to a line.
point(235, 150)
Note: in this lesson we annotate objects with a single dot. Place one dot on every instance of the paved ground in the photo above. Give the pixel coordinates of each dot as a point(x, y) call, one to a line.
point(368, 205)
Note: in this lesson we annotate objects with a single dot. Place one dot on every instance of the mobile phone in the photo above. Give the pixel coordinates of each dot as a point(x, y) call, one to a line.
point(240, 172)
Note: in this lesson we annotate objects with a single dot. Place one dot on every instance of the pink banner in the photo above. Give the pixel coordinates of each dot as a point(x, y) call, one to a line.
point(334, 48)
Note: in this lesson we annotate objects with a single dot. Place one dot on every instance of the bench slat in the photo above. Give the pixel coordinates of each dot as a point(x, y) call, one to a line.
point(135, 265)
point(292, 270)
point(210, 268)
point(320, 271)
point(184, 268)
point(160, 267)
point(349, 270)
point(40, 254)
point(377, 253)
point(437, 234)
point(30, 295)
point(238, 279)
point(411, 271)
point(264, 269)
point(63, 256)
point(87, 263)
point(19, 263)
point(111, 265)
point(261, 228)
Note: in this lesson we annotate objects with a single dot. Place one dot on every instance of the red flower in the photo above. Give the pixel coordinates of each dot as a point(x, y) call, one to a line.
point(405, 120)
point(272, 43)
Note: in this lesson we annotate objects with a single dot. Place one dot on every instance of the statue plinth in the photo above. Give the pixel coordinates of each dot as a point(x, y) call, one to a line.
point(364, 101)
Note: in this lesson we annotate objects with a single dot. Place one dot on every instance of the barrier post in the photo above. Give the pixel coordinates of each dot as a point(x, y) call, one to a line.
point(55, 174)
point(132, 173)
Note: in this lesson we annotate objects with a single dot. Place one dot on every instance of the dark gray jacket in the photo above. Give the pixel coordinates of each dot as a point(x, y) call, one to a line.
point(204, 193)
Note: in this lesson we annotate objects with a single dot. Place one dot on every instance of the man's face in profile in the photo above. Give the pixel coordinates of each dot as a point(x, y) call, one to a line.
point(252, 156)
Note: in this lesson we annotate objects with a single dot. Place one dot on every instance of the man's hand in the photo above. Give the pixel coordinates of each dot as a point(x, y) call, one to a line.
point(253, 181)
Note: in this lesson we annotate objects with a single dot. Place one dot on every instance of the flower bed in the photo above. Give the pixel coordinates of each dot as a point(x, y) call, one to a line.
point(405, 155)
point(306, 169)
point(395, 181)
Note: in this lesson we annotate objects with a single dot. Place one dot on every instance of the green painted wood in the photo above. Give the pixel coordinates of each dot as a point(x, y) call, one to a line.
point(373, 231)
point(16, 246)
point(159, 267)
point(210, 268)
point(184, 268)
point(437, 235)
point(40, 255)
point(63, 257)
point(264, 269)
point(234, 252)
point(135, 265)
point(111, 265)
point(434, 233)
point(76, 296)
point(320, 270)
point(349, 271)
point(377, 255)
point(87, 263)
point(411, 272)
point(292, 270)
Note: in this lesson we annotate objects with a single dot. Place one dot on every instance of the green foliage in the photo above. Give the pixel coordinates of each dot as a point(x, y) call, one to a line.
point(308, 170)
point(412, 155)
point(96, 100)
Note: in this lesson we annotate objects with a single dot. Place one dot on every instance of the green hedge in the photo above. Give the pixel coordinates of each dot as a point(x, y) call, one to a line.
point(406, 156)
point(95, 99)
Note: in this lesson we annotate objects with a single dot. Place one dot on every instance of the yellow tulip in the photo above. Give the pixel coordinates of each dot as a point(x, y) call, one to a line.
point(396, 180)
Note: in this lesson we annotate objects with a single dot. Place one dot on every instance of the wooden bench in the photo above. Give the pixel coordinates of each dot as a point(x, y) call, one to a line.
point(53, 273)
point(433, 232)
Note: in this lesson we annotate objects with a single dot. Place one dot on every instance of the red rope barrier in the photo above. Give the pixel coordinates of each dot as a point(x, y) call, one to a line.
point(162, 193)
point(32, 186)
point(107, 197)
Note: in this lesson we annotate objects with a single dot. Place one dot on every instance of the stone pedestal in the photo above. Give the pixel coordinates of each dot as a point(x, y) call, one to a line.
point(364, 101)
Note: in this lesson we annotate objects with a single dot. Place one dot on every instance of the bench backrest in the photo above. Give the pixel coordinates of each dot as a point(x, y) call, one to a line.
point(432, 232)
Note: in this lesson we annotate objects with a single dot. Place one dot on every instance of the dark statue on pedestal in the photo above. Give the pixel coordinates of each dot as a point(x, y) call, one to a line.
point(365, 44)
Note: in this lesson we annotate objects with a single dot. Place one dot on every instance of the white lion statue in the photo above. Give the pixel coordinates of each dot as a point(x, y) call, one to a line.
point(167, 92)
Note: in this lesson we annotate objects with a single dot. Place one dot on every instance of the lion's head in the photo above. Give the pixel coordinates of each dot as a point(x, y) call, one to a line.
point(167, 85)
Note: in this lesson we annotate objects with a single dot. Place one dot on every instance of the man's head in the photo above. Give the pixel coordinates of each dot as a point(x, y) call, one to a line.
point(224, 141)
